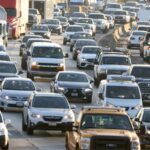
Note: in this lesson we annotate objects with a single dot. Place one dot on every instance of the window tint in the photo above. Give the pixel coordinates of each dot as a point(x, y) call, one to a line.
point(4, 57)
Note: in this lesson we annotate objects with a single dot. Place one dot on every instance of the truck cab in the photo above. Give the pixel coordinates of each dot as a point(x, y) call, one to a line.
point(121, 91)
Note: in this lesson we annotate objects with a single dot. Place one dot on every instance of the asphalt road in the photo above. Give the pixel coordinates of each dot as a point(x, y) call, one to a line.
point(45, 140)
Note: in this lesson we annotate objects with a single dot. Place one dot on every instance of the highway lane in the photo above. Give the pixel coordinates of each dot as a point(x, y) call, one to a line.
point(44, 140)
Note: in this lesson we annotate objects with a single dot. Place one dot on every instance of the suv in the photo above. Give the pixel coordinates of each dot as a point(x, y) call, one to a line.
point(45, 60)
point(47, 111)
point(121, 91)
point(102, 128)
point(110, 63)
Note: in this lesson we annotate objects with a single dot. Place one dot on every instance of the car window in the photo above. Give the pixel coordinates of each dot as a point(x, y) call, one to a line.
point(122, 92)
point(7, 68)
point(89, 50)
point(50, 102)
point(74, 29)
point(18, 85)
point(104, 121)
point(47, 52)
point(72, 77)
point(146, 116)
point(4, 57)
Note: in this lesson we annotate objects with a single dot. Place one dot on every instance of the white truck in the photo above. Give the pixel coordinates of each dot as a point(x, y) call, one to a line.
point(3, 26)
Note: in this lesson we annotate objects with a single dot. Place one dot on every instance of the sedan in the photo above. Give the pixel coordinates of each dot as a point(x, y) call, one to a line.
point(14, 92)
point(80, 43)
point(73, 84)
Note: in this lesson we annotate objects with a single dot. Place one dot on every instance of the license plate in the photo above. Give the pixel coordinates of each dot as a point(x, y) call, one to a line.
point(19, 104)
point(52, 123)
point(74, 94)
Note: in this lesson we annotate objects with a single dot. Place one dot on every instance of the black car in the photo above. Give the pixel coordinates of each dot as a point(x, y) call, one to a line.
point(41, 30)
point(24, 41)
point(80, 43)
point(73, 84)
point(79, 35)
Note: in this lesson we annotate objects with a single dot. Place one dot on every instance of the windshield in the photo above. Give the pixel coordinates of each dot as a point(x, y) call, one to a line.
point(89, 21)
point(40, 28)
point(74, 29)
point(96, 16)
point(115, 61)
point(4, 57)
point(18, 85)
point(47, 52)
point(122, 92)
point(105, 121)
point(113, 6)
point(51, 22)
point(90, 50)
point(50, 102)
point(141, 72)
point(144, 28)
point(143, 23)
point(146, 115)
point(80, 44)
point(72, 77)
point(11, 12)
point(7, 68)
point(139, 33)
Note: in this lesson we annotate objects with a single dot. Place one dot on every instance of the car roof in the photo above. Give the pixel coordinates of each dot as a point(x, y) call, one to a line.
point(17, 78)
point(45, 44)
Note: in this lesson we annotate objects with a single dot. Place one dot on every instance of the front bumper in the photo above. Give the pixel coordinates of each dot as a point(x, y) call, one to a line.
point(43, 73)
point(85, 64)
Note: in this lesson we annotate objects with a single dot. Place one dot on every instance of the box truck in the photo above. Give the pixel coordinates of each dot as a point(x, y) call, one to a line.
point(17, 16)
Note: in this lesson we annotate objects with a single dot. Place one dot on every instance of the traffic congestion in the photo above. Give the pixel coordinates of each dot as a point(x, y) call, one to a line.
point(75, 75)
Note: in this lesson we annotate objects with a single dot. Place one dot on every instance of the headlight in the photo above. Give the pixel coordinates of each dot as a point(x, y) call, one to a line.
point(88, 90)
point(6, 97)
point(34, 115)
point(34, 63)
point(135, 145)
point(68, 117)
point(85, 143)
point(83, 59)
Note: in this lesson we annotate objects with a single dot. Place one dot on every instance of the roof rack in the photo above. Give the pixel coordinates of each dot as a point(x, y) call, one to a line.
point(120, 78)
point(109, 108)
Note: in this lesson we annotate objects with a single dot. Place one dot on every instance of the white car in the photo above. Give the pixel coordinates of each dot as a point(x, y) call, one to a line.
point(121, 91)
point(87, 56)
point(102, 25)
point(135, 38)
point(110, 21)
point(47, 111)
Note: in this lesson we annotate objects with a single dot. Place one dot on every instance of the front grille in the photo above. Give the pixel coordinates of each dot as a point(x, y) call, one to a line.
point(119, 72)
point(15, 98)
point(74, 93)
point(110, 143)
point(52, 118)
point(90, 60)
point(144, 87)
point(118, 17)
point(47, 64)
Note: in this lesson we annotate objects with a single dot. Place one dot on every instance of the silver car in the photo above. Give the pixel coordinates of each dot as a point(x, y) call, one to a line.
point(14, 92)
point(47, 111)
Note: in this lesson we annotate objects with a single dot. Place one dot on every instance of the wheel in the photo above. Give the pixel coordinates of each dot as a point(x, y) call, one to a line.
point(23, 64)
point(29, 129)
point(6, 147)
point(64, 42)
point(24, 126)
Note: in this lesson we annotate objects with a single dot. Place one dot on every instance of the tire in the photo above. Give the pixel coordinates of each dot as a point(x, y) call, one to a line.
point(29, 129)
point(64, 42)
point(24, 126)
point(6, 147)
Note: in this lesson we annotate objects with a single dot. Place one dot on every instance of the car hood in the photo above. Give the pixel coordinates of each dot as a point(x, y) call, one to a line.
point(48, 60)
point(115, 67)
point(73, 84)
point(88, 133)
point(91, 56)
point(50, 111)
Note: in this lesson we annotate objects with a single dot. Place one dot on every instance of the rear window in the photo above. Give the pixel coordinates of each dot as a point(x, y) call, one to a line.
point(74, 29)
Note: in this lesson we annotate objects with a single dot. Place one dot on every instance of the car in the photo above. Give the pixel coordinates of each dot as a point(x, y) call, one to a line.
point(54, 25)
point(70, 30)
point(24, 41)
point(4, 56)
point(47, 111)
point(110, 21)
point(15, 92)
point(144, 28)
point(87, 56)
point(32, 20)
point(35, 12)
point(63, 21)
point(41, 30)
point(135, 38)
point(45, 60)
point(78, 35)
point(102, 25)
point(73, 84)
point(97, 16)
point(57, 12)
point(4, 142)
point(142, 121)
point(27, 47)
point(121, 91)
point(146, 23)
point(102, 128)
point(79, 44)
point(109, 63)
point(8, 69)
point(88, 21)
point(142, 75)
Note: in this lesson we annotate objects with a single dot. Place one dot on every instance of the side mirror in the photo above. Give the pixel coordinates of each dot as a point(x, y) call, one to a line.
point(142, 129)
point(100, 95)
point(28, 53)
point(66, 55)
point(20, 72)
point(26, 104)
point(7, 122)
point(73, 106)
